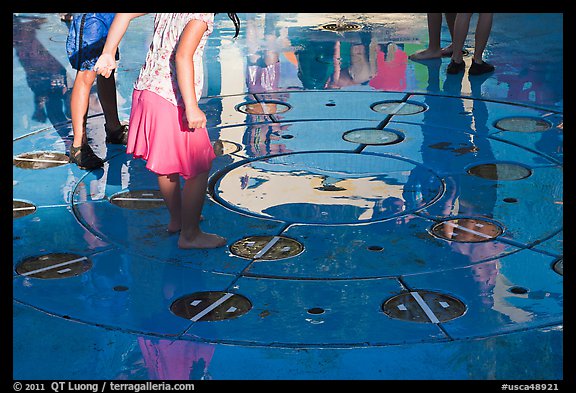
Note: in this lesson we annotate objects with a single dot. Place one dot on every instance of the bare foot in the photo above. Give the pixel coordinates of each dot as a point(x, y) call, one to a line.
point(447, 51)
point(201, 240)
point(426, 54)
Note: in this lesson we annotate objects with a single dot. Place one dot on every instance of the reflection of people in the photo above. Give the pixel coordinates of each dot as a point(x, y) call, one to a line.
point(315, 64)
point(84, 44)
point(263, 76)
point(391, 63)
point(176, 359)
point(483, 28)
point(44, 74)
point(354, 64)
point(435, 49)
point(263, 64)
point(167, 127)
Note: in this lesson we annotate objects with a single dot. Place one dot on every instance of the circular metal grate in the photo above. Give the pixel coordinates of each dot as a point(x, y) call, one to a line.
point(373, 136)
point(263, 108)
point(500, 171)
point(559, 267)
point(40, 160)
point(139, 199)
point(222, 148)
point(467, 230)
point(56, 265)
point(523, 124)
point(398, 107)
point(424, 307)
point(21, 209)
point(266, 247)
point(341, 26)
point(211, 306)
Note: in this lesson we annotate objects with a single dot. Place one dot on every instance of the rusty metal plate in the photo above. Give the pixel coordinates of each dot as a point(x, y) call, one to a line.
point(266, 247)
point(467, 230)
point(53, 266)
point(263, 108)
point(21, 209)
point(424, 307)
point(138, 199)
point(211, 306)
point(40, 160)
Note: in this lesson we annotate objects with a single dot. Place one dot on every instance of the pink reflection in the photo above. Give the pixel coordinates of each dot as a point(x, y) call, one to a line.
point(176, 359)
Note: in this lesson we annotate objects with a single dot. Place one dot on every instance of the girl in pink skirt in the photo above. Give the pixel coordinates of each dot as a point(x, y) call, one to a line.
point(167, 128)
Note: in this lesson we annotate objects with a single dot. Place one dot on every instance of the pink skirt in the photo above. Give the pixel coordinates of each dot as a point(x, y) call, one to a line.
point(157, 134)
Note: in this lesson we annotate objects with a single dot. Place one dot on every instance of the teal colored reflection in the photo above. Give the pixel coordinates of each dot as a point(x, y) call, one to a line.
point(327, 188)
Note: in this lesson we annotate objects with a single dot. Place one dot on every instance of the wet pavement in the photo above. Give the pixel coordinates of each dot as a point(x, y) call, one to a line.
point(385, 221)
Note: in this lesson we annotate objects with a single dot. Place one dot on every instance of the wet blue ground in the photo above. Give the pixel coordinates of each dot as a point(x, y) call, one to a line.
point(384, 220)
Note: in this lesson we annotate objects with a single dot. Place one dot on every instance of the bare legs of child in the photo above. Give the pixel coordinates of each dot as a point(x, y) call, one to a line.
point(185, 208)
point(483, 28)
point(80, 152)
point(435, 50)
point(116, 133)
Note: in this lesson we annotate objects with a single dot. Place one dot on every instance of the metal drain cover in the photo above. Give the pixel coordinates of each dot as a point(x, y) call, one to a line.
point(467, 230)
point(559, 267)
point(211, 306)
point(373, 136)
point(57, 265)
point(21, 209)
point(222, 148)
point(523, 124)
point(139, 199)
point(341, 26)
point(40, 160)
point(424, 306)
point(266, 247)
point(263, 108)
point(398, 107)
point(500, 171)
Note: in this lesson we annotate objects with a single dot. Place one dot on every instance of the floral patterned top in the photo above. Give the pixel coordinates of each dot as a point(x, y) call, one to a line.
point(158, 74)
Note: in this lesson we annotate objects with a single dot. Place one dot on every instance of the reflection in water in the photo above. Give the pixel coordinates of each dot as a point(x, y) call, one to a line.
point(45, 75)
point(176, 359)
point(471, 241)
point(327, 188)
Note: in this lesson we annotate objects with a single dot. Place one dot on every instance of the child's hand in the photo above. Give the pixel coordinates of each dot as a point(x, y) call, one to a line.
point(194, 118)
point(105, 65)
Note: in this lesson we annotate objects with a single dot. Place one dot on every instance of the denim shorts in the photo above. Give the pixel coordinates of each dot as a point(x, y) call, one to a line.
point(86, 39)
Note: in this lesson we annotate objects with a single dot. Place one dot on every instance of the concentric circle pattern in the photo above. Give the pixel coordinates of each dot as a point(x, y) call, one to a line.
point(383, 220)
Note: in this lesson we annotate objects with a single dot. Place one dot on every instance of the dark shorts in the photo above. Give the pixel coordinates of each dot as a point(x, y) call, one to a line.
point(86, 39)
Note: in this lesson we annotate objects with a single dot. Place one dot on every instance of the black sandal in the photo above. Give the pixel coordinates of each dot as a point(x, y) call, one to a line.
point(480, 68)
point(84, 157)
point(118, 137)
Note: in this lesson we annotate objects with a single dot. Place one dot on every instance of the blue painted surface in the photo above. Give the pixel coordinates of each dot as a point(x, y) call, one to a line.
point(364, 213)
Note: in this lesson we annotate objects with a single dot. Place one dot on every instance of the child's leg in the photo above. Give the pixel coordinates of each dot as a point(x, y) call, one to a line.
point(461, 26)
point(79, 105)
point(191, 236)
point(170, 189)
point(483, 28)
point(434, 29)
point(107, 96)
point(450, 21)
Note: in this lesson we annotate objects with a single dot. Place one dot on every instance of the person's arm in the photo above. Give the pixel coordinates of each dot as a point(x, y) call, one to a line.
point(106, 63)
point(189, 40)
